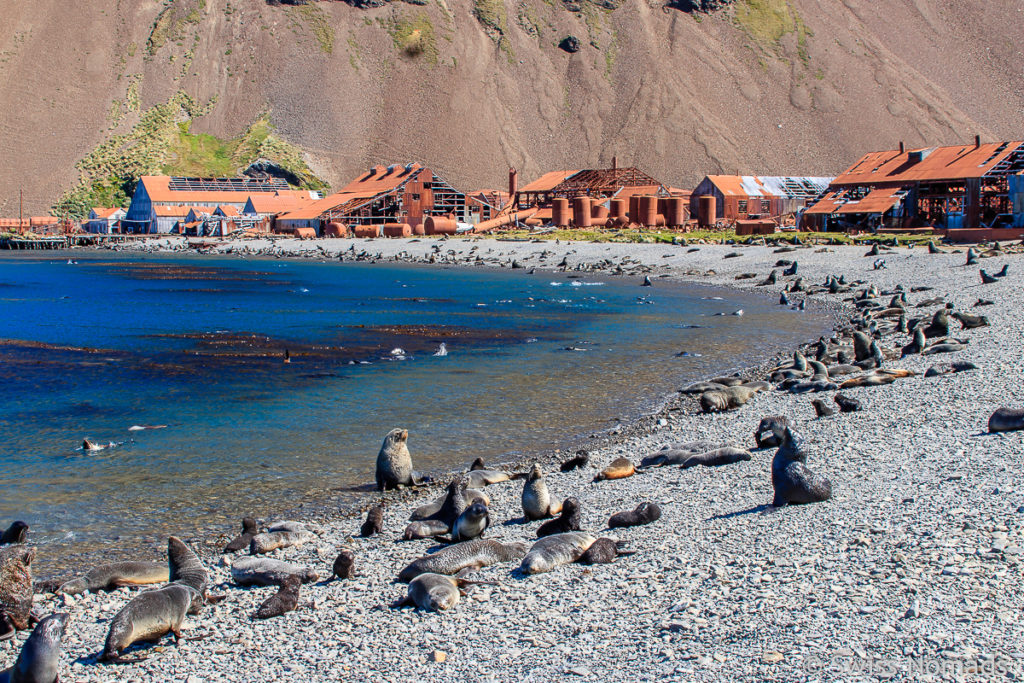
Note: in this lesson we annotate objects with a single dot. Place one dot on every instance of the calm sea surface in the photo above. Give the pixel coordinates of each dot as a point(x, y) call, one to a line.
point(92, 348)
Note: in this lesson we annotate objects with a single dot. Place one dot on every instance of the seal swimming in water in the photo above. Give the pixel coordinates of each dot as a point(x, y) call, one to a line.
point(536, 498)
point(644, 513)
point(39, 659)
point(1006, 420)
point(15, 533)
point(569, 520)
point(579, 460)
point(374, 521)
point(283, 601)
point(620, 468)
point(765, 434)
point(604, 551)
point(149, 616)
point(108, 577)
point(344, 564)
point(394, 464)
point(435, 592)
point(424, 529)
point(469, 554)
point(716, 458)
point(792, 480)
point(265, 571)
point(472, 523)
point(555, 550)
point(272, 540)
point(241, 542)
point(16, 591)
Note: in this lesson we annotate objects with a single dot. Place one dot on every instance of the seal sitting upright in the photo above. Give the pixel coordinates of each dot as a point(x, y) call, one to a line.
point(394, 464)
point(792, 480)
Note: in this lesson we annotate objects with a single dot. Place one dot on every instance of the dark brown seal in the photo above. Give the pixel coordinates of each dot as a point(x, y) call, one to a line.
point(374, 521)
point(344, 564)
point(241, 542)
point(792, 480)
point(283, 601)
point(15, 589)
point(39, 659)
point(15, 533)
point(604, 551)
point(569, 520)
point(644, 513)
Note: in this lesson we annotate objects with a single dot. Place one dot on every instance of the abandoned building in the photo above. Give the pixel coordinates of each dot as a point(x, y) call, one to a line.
point(104, 221)
point(725, 199)
point(970, 191)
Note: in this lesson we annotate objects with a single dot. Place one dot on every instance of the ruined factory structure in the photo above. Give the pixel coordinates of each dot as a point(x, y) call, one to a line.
point(754, 204)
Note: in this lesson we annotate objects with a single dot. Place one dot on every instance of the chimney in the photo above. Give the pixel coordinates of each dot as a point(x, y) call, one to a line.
point(513, 184)
point(615, 162)
point(977, 141)
point(902, 150)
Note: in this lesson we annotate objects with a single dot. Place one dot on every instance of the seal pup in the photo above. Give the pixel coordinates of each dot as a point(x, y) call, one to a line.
point(620, 468)
point(916, 345)
point(987, 279)
point(16, 591)
point(394, 464)
point(644, 513)
point(568, 520)
point(970, 322)
point(948, 368)
point(536, 498)
point(374, 521)
point(149, 616)
point(424, 529)
point(283, 601)
point(185, 566)
point(241, 542)
point(39, 659)
point(454, 503)
point(604, 551)
point(846, 404)
point(792, 480)
point(716, 458)
point(473, 554)
point(472, 523)
point(984, 302)
point(581, 458)
point(678, 453)
point(765, 434)
point(108, 577)
point(15, 533)
point(272, 540)
point(554, 551)
point(344, 564)
point(480, 475)
point(266, 571)
point(1006, 420)
point(435, 592)
point(428, 510)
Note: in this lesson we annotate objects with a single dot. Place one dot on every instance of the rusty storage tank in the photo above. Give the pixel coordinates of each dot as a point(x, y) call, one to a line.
point(305, 233)
point(706, 210)
point(335, 229)
point(440, 225)
point(647, 211)
point(397, 230)
point(560, 212)
point(634, 209)
point(581, 212)
point(366, 231)
point(617, 208)
point(419, 229)
point(675, 212)
point(598, 213)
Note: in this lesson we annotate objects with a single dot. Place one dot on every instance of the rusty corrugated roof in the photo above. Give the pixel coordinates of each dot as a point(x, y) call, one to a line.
point(548, 181)
point(929, 164)
point(159, 190)
point(875, 201)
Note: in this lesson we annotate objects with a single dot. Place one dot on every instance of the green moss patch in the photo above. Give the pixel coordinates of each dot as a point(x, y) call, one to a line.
point(414, 36)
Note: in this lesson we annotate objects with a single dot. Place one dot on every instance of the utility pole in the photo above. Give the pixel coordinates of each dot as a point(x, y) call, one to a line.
point(21, 208)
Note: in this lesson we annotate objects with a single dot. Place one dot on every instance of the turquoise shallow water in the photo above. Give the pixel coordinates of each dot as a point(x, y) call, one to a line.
point(94, 347)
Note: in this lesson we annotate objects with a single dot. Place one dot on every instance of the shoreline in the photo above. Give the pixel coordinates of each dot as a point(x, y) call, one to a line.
point(720, 588)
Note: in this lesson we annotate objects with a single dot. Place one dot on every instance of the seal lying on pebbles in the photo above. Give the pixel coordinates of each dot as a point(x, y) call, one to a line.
point(677, 453)
point(344, 564)
point(149, 616)
point(554, 551)
point(15, 533)
point(1006, 420)
point(241, 542)
point(454, 503)
point(272, 540)
point(435, 592)
point(948, 368)
point(846, 404)
point(468, 555)
point(620, 468)
point(374, 521)
point(765, 434)
point(644, 513)
point(579, 460)
point(480, 475)
point(431, 509)
point(265, 571)
point(726, 399)
point(604, 551)
point(424, 529)
point(15, 589)
point(394, 464)
point(472, 523)
point(569, 520)
point(536, 498)
point(283, 601)
point(822, 409)
point(792, 480)
point(108, 577)
point(39, 659)
point(716, 458)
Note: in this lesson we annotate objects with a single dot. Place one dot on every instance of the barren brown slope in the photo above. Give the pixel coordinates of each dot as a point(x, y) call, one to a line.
point(680, 95)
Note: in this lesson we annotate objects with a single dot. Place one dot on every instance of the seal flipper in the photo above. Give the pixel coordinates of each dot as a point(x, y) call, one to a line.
point(404, 602)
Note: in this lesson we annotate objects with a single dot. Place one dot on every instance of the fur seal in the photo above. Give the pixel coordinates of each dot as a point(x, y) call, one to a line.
point(554, 551)
point(916, 345)
point(579, 460)
point(394, 464)
point(108, 577)
point(716, 458)
point(287, 525)
point(644, 513)
point(480, 475)
point(424, 529)
point(15, 589)
point(604, 551)
point(469, 554)
point(726, 399)
point(39, 659)
point(568, 520)
point(15, 533)
point(454, 502)
point(822, 409)
point(344, 564)
point(536, 499)
point(765, 434)
point(435, 592)
point(701, 387)
point(241, 542)
point(677, 454)
point(792, 480)
point(149, 616)
point(431, 509)
point(272, 540)
point(987, 279)
point(472, 523)
point(948, 368)
point(374, 521)
point(1006, 420)
point(185, 566)
point(620, 468)
point(846, 404)
point(283, 601)
point(265, 571)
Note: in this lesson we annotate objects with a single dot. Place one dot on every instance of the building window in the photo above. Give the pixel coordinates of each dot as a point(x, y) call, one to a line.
point(415, 197)
point(743, 206)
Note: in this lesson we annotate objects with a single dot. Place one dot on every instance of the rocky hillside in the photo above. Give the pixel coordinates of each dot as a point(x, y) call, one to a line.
point(92, 94)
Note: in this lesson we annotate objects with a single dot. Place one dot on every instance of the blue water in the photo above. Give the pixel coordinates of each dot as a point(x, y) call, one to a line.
point(198, 344)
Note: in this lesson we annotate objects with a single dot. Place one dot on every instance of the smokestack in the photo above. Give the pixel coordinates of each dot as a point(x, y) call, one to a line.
point(513, 184)
point(901, 147)
point(615, 162)
point(977, 141)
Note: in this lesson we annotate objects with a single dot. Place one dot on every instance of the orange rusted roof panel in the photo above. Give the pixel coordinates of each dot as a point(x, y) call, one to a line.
point(548, 181)
point(930, 164)
point(159, 190)
point(383, 179)
point(876, 201)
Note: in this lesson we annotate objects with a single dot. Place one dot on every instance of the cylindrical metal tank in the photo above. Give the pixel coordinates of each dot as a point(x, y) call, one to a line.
point(617, 208)
point(634, 209)
point(598, 213)
point(335, 229)
point(706, 208)
point(440, 225)
point(366, 231)
point(397, 230)
point(560, 212)
point(648, 211)
point(675, 212)
point(581, 212)
point(419, 229)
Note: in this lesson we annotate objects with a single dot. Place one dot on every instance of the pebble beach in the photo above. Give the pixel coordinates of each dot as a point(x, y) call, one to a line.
point(912, 571)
